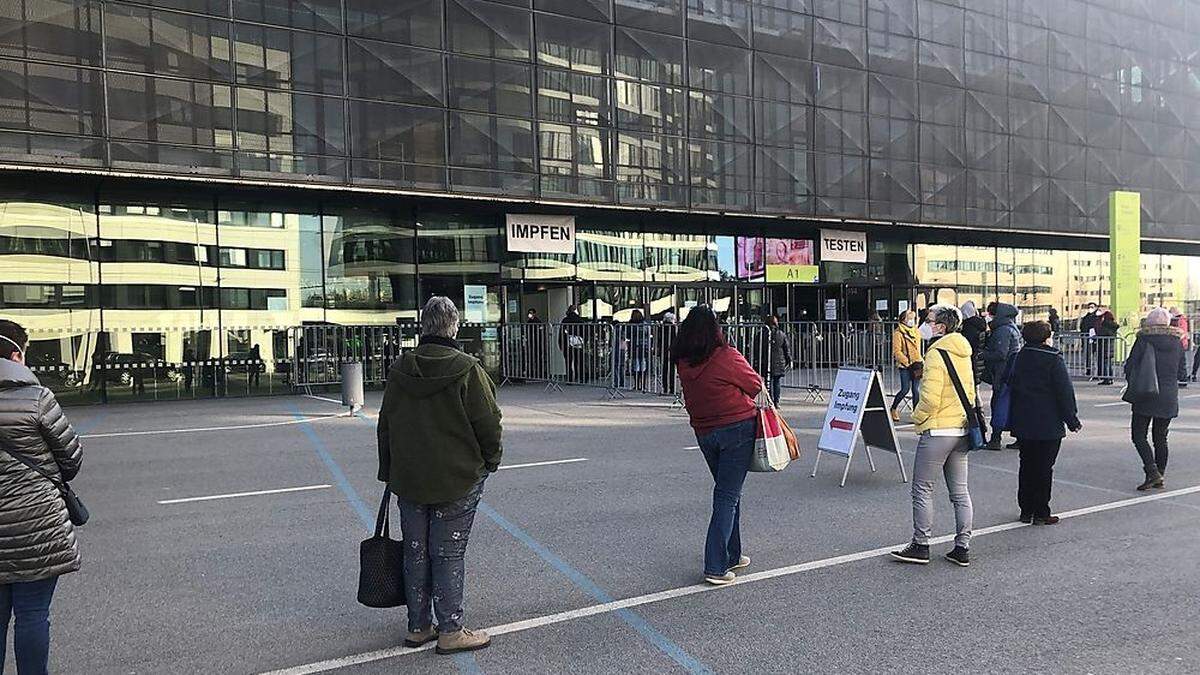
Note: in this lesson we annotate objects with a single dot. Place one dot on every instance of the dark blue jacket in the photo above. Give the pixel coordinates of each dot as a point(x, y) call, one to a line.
point(1043, 399)
point(1002, 342)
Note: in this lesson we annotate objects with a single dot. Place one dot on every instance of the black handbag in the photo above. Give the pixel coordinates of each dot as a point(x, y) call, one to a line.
point(381, 563)
point(76, 511)
point(1142, 383)
point(976, 422)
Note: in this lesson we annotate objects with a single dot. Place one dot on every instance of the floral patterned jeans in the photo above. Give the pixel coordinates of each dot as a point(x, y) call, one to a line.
point(435, 542)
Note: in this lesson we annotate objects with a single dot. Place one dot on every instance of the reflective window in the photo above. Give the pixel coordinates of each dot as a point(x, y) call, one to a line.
point(574, 98)
point(486, 29)
point(323, 15)
point(414, 22)
point(277, 121)
point(575, 161)
point(597, 10)
point(581, 46)
point(651, 168)
point(40, 97)
point(723, 21)
point(648, 57)
point(167, 43)
point(284, 59)
point(394, 73)
point(720, 69)
point(170, 111)
point(67, 31)
point(490, 86)
point(370, 271)
point(491, 154)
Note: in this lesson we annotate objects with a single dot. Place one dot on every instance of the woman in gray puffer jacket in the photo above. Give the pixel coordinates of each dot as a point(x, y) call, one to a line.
point(37, 539)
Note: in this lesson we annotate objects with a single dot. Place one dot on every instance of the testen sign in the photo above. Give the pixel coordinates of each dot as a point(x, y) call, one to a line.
point(541, 234)
point(843, 246)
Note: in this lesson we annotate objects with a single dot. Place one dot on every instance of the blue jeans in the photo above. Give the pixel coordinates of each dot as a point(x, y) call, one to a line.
point(728, 451)
point(435, 543)
point(907, 383)
point(29, 602)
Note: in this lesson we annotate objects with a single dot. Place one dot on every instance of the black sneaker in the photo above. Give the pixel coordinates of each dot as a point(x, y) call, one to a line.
point(959, 556)
point(1025, 518)
point(917, 554)
point(1015, 445)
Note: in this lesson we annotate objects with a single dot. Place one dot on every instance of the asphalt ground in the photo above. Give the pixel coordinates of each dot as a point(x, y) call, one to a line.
point(267, 582)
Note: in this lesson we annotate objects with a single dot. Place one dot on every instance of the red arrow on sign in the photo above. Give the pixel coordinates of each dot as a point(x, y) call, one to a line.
point(841, 424)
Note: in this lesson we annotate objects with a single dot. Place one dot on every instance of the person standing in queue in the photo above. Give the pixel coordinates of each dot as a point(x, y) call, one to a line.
point(1087, 326)
point(1043, 403)
point(906, 350)
point(975, 329)
point(1003, 342)
point(1106, 333)
point(781, 356)
point(439, 439)
point(37, 539)
point(942, 449)
point(719, 386)
point(1156, 411)
point(1179, 320)
point(571, 342)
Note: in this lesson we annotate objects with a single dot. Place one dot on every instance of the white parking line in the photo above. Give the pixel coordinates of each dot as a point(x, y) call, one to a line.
point(323, 398)
point(256, 493)
point(196, 430)
point(547, 463)
point(670, 594)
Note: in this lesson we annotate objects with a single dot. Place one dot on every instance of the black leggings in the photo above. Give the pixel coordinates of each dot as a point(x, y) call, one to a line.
point(1151, 459)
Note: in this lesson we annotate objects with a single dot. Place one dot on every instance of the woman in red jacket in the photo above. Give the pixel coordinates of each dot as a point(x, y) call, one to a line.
point(719, 387)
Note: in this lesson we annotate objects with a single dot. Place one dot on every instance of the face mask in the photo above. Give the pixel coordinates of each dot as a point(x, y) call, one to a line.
point(910, 323)
point(1097, 312)
point(1050, 341)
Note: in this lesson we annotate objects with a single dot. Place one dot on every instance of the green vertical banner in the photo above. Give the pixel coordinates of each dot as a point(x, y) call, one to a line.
point(1125, 247)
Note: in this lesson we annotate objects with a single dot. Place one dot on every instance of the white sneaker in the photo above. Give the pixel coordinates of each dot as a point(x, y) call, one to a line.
point(744, 561)
point(722, 580)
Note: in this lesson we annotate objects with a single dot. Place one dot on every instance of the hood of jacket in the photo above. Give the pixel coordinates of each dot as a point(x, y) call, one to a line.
point(954, 343)
point(13, 375)
point(968, 309)
point(1005, 314)
point(432, 367)
point(1148, 331)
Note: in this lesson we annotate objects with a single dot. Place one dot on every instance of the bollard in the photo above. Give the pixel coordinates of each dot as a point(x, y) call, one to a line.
point(352, 386)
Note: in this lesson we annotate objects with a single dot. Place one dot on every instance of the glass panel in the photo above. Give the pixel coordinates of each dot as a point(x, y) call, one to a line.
point(649, 107)
point(610, 256)
point(324, 15)
point(490, 86)
point(395, 73)
point(485, 29)
point(167, 43)
point(575, 161)
point(171, 111)
point(723, 21)
point(399, 132)
point(650, 168)
point(48, 277)
point(414, 22)
point(370, 271)
point(51, 30)
point(721, 69)
point(500, 149)
point(658, 15)
point(597, 10)
point(284, 59)
point(573, 98)
point(160, 297)
point(675, 257)
point(720, 173)
point(60, 99)
point(717, 116)
point(649, 57)
point(277, 121)
point(782, 31)
point(581, 46)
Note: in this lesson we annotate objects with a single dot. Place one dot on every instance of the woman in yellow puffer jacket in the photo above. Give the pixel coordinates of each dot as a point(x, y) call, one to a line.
point(942, 449)
point(906, 350)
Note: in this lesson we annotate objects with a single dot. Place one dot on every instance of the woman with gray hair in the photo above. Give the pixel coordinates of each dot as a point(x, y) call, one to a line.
point(439, 438)
point(1159, 350)
point(941, 420)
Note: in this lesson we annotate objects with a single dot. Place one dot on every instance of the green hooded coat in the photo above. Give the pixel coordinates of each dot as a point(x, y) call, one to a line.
point(439, 425)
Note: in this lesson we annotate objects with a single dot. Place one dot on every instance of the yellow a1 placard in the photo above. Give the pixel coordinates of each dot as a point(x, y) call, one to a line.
point(793, 274)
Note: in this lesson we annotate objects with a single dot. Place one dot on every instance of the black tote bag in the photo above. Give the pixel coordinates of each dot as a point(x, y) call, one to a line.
point(1143, 381)
point(381, 563)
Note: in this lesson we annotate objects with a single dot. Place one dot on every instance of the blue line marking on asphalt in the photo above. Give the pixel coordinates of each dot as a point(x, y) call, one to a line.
point(635, 621)
point(339, 476)
point(465, 661)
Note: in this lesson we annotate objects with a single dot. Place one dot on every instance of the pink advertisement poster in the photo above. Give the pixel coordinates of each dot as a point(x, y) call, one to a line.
point(754, 254)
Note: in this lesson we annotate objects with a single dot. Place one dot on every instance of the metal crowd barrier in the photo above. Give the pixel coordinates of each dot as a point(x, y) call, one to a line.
point(318, 351)
point(1093, 357)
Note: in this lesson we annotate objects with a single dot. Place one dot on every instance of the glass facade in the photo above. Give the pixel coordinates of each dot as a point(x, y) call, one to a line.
point(1015, 114)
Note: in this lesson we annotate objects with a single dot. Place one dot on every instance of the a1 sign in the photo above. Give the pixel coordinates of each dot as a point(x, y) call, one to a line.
point(541, 234)
point(843, 246)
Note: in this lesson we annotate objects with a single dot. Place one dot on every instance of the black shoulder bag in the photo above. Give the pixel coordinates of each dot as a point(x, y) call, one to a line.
point(976, 423)
point(381, 563)
point(76, 511)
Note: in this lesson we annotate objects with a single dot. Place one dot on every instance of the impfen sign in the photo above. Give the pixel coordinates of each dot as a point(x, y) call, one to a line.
point(541, 234)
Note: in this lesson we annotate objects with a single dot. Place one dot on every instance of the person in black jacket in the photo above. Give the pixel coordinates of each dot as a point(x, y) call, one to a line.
point(1162, 339)
point(975, 329)
point(1087, 326)
point(37, 539)
point(1106, 332)
point(1042, 403)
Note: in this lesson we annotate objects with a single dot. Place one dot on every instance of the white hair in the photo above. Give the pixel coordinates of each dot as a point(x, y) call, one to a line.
point(947, 315)
point(440, 318)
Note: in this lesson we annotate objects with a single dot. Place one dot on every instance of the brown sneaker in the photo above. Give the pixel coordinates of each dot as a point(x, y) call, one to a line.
point(463, 641)
point(420, 637)
point(895, 415)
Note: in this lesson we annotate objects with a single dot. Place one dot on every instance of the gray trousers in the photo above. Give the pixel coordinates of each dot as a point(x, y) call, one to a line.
point(946, 455)
point(435, 543)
